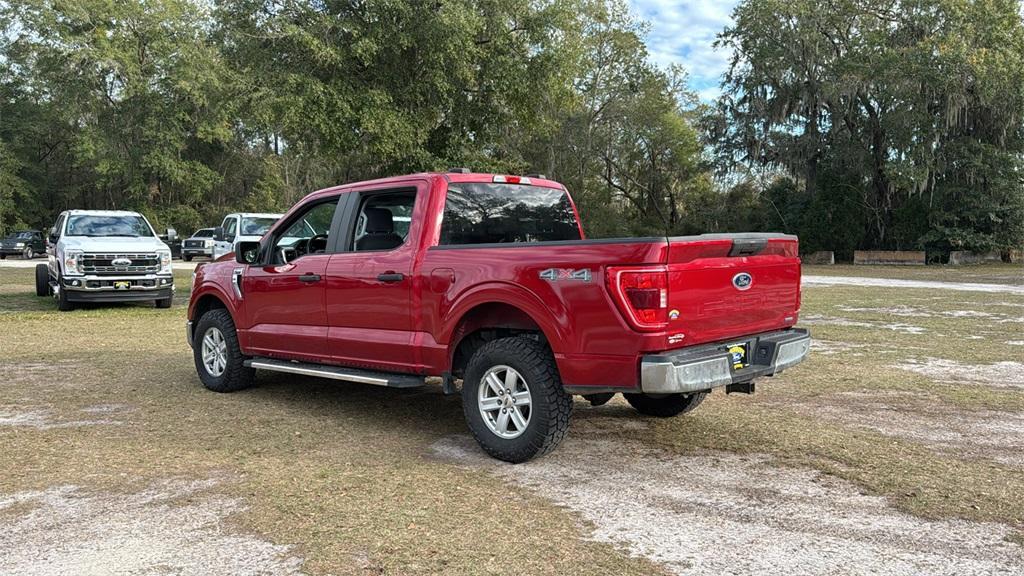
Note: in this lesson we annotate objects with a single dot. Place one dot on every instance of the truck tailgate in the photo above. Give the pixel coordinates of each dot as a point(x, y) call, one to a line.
point(731, 285)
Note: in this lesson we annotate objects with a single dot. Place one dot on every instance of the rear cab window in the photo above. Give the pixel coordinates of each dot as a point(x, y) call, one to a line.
point(493, 213)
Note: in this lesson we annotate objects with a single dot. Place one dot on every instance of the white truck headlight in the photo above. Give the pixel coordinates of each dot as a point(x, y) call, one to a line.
point(165, 261)
point(73, 262)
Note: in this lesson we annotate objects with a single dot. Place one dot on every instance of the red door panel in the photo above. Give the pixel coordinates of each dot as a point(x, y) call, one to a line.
point(285, 308)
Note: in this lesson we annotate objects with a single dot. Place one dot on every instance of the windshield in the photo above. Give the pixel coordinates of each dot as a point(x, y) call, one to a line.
point(204, 233)
point(19, 236)
point(256, 225)
point(497, 213)
point(127, 225)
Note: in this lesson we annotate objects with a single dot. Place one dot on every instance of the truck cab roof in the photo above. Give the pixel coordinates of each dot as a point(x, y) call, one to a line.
point(103, 212)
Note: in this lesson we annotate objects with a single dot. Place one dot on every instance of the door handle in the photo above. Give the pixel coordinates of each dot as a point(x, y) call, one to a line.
point(309, 278)
point(391, 277)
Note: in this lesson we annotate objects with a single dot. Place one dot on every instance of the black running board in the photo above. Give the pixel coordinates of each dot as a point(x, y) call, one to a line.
point(389, 379)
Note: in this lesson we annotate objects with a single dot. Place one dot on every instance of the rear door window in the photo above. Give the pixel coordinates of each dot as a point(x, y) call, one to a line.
point(484, 213)
point(384, 221)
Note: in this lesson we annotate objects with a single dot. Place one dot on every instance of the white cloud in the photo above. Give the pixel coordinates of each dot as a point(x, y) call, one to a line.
point(682, 32)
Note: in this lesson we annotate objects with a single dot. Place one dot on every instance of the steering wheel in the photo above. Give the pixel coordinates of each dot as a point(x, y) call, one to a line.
point(318, 241)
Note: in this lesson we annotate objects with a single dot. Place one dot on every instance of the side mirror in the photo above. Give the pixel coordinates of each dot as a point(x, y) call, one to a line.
point(172, 234)
point(218, 234)
point(247, 252)
point(53, 236)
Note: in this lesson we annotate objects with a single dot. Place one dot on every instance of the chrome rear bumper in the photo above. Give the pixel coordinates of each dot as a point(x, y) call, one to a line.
point(708, 366)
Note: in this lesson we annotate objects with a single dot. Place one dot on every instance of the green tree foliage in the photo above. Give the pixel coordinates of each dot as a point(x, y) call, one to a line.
point(903, 121)
point(185, 110)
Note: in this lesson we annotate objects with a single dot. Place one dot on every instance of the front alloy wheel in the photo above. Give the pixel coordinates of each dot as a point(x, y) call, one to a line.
point(219, 361)
point(215, 352)
point(503, 398)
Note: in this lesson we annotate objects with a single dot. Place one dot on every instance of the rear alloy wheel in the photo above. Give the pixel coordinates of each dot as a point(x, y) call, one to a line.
point(504, 400)
point(219, 361)
point(513, 399)
point(665, 405)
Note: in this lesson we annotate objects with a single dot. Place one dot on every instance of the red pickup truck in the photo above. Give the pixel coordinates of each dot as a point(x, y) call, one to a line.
point(488, 279)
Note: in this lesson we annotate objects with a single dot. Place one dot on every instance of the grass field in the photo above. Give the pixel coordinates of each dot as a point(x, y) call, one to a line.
point(912, 403)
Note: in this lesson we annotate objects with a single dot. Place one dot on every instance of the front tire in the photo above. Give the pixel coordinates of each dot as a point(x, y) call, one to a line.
point(186, 258)
point(28, 254)
point(665, 406)
point(219, 360)
point(63, 304)
point(513, 399)
point(165, 302)
point(42, 280)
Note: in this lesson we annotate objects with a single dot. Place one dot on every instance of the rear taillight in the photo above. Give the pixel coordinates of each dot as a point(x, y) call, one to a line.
point(642, 295)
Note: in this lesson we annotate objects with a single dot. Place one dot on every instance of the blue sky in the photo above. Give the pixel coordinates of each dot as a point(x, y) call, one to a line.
point(682, 31)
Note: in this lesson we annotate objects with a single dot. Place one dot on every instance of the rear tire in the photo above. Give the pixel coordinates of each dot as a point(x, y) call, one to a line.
point(665, 406)
point(538, 399)
point(43, 280)
point(223, 370)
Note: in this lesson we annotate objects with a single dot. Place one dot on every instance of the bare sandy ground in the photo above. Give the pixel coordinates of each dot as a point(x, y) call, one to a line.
point(722, 513)
point(945, 428)
point(1007, 374)
point(929, 284)
point(174, 527)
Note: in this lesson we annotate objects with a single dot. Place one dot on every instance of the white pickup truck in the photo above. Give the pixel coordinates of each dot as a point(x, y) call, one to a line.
point(241, 227)
point(105, 256)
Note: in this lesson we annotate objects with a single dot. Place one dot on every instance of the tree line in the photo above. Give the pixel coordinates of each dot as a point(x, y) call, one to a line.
point(854, 123)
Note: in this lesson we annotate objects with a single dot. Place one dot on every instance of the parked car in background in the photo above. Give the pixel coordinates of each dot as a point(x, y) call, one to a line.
point(173, 241)
point(488, 279)
point(199, 244)
point(105, 256)
point(241, 227)
point(25, 243)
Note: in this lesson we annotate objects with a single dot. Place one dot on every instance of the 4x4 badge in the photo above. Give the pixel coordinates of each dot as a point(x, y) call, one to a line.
point(556, 274)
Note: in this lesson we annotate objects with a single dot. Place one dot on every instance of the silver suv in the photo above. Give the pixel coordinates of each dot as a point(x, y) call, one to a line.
point(105, 256)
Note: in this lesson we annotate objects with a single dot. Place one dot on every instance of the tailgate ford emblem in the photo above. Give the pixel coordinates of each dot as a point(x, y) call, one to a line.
point(127, 262)
point(742, 281)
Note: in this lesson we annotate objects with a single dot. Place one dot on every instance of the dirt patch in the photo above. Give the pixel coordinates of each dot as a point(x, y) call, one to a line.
point(831, 347)
point(835, 321)
point(174, 527)
point(999, 375)
point(927, 284)
point(943, 427)
point(918, 312)
point(44, 418)
point(724, 513)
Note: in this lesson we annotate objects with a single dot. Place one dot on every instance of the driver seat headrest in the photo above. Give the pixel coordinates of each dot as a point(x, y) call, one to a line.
point(379, 221)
